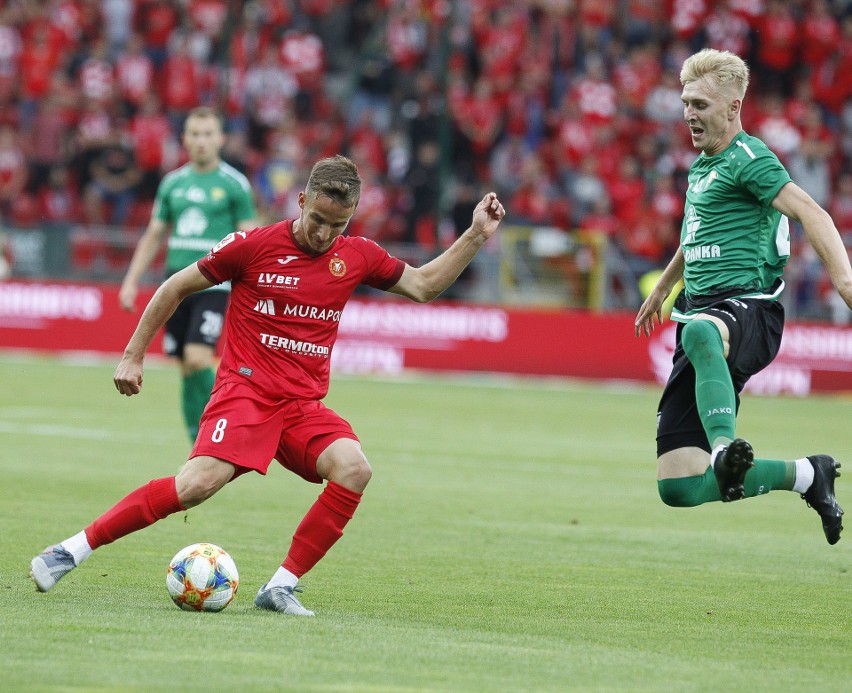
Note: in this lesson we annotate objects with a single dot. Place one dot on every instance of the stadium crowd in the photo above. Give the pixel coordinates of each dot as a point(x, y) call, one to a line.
point(569, 109)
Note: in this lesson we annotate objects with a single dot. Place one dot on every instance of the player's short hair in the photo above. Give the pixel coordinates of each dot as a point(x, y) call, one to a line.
point(204, 112)
point(728, 72)
point(335, 177)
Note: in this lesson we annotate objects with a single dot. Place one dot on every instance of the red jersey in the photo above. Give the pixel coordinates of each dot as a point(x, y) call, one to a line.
point(286, 305)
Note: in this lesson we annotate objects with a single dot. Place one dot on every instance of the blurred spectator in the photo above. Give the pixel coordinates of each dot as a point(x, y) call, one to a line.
point(599, 217)
point(184, 82)
point(94, 127)
point(597, 20)
point(303, 56)
point(422, 184)
point(526, 112)
point(663, 106)
point(40, 57)
point(610, 147)
point(13, 172)
point(819, 33)
point(594, 92)
point(406, 37)
point(95, 76)
point(478, 121)
point(369, 142)
point(775, 128)
point(11, 46)
point(59, 198)
point(666, 203)
point(627, 191)
point(727, 30)
point(207, 16)
point(269, 93)
point(279, 177)
point(134, 71)
point(150, 133)
point(643, 22)
point(238, 154)
point(537, 199)
point(155, 20)
point(810, 164)
point(373, 90)
point(49, 141)
point(118, 24)
point(778, 48)
point(114, 177)
point(422, 112)
point(507, 158)
point(686, 18)
point(831, 80)
point(398, 156)
point(584, 187)
point(648, 241)
point(573, 137)
point(500, 41)
point(635, 77)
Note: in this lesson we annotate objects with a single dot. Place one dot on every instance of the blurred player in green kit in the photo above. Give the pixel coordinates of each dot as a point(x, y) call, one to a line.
point(196, 206)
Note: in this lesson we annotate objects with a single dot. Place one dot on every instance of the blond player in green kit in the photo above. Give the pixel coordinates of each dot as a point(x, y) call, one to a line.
point(200, 203)
point(735, 242)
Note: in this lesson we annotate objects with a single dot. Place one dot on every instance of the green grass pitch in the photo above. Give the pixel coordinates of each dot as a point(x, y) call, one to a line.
point(511, 540)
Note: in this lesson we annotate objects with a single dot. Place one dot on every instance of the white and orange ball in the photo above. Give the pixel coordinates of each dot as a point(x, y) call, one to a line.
point(202, 577)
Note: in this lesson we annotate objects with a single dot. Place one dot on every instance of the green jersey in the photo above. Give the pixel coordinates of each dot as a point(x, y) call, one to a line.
point(202, 208)
point(734, 242)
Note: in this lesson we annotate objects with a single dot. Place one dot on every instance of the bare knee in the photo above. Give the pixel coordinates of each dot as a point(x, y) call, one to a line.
point(200, 478)
point(344, 463)
point(682, 462)
point(196, 357)
point(353, 474)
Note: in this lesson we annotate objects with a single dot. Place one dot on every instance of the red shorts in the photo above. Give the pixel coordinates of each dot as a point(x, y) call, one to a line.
point(250, 430)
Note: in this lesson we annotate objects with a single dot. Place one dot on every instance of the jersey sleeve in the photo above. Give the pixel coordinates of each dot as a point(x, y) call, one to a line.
point(161, 208)
point(226, 259)
point(243, 201)
point(763, 176)
point(383, 269)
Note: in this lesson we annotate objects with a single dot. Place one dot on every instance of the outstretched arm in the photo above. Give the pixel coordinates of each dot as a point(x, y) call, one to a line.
point(128, 374)
point(146, 250)
point(822, 234)
point(653, 305)
point(422, 284)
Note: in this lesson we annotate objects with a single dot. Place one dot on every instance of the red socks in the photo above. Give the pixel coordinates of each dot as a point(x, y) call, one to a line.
point(140, 508)
point(321, 527)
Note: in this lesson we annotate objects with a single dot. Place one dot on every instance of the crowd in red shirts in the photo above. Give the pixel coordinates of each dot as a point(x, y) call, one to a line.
point(570, 109)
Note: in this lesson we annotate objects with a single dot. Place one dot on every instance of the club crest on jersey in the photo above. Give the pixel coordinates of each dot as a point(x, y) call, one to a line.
point(337, 266)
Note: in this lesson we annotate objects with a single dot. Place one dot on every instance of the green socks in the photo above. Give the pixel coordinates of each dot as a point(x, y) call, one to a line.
point(717, 407)
point(765, 476)
point(195, 394)
point(714, 390)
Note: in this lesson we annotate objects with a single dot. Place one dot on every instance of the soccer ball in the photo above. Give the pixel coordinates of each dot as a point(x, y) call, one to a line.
point(202, 577)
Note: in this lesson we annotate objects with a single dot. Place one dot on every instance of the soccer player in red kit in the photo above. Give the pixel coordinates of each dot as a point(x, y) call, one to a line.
point(290, 282)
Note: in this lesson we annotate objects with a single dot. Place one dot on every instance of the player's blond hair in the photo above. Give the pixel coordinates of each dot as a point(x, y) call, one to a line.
point(726, 70)
point(335, 177)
